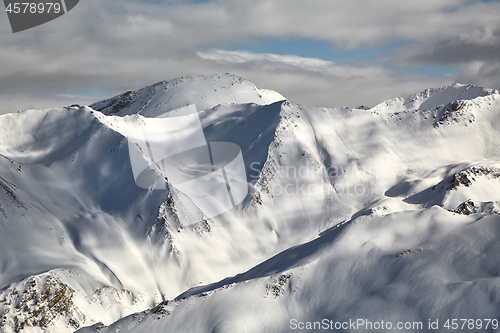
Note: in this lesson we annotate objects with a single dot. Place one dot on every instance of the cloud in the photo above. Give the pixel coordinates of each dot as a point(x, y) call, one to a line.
point(290, 63)
point(318, 82)
point(477, 46)
point(127, 44)
point(480, 73)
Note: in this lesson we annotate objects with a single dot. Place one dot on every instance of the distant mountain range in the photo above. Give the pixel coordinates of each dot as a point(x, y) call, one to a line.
point(364, 215)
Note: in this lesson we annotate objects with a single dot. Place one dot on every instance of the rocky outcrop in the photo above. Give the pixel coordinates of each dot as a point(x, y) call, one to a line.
point(39, 301)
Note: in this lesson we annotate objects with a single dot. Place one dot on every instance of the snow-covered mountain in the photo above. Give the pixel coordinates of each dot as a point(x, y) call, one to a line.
point(386, 213)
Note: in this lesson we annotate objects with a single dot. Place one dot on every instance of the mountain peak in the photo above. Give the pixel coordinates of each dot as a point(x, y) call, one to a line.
point(434, 97)
point(203, 91)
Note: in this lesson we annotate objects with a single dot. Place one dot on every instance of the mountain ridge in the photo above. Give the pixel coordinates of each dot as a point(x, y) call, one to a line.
point(312, 172)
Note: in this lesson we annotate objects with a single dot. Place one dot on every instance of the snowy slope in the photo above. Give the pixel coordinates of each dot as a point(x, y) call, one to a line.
point(344, 206)
point(407, 268)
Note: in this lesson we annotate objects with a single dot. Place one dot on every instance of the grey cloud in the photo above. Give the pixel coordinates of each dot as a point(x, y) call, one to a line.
point(127, 44)
point(480, 73)
point(321, 83)
point(460, 51)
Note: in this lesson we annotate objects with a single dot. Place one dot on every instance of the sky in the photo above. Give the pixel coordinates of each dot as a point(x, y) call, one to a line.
point(327, 53)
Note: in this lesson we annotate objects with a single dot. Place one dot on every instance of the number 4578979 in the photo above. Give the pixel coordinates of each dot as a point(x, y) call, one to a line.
point(33, 8)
